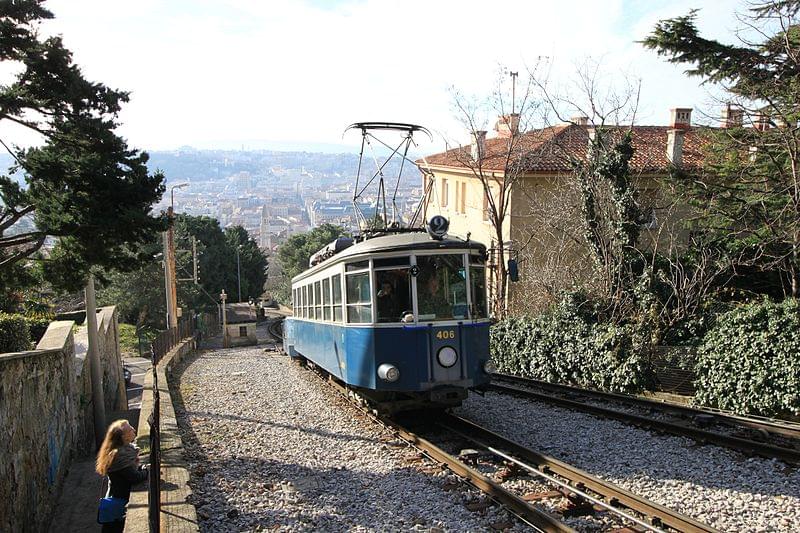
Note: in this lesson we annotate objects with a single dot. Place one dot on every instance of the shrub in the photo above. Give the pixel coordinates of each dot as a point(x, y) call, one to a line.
point(37, 324)
point(15, 336)
point(129, 338)
point(568, 345)
point(748, 363)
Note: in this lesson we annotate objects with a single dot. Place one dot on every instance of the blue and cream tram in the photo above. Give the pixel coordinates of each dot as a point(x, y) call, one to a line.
point(402, 316)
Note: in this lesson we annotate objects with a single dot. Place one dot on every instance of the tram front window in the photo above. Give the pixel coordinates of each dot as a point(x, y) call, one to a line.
point(393, 297)
point(441, 287)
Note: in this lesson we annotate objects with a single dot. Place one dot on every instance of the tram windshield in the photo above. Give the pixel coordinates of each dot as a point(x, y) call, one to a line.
point(441, 287)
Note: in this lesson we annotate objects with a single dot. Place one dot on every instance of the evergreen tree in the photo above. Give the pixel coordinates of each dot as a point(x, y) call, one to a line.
point(295, 253)
point(85, 186)
point(252, 263)
point(748, 197)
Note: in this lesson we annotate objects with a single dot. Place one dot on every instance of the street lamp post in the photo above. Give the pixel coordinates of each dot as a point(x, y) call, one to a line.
point(238, 273)
point(222, 298)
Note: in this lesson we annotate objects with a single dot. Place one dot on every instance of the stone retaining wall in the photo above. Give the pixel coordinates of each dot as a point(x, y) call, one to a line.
point(37, 417)
point(177, 514)
point(46, 417)
point(114, 393)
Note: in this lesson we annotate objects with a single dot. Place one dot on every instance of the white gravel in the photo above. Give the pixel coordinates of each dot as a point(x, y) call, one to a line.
point(269, 449)
point(720, 487)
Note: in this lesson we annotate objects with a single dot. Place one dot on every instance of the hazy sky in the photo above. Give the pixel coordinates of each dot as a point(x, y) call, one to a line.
point(231, 72)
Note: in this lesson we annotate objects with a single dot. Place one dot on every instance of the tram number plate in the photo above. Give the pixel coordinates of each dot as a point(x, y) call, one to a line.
point(445, 334)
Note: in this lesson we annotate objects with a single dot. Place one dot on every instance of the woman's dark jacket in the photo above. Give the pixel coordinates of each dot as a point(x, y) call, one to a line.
point(124, 472)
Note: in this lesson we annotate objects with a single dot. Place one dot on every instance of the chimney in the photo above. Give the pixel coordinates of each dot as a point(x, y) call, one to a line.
point(681, 118)
point(732, 116)
point(507, 125)
point(675, 146)
point(580, 120)
point(478, 145)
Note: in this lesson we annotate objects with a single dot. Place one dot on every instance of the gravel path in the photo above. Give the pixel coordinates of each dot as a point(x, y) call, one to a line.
point(717, 486)
point(270, 449)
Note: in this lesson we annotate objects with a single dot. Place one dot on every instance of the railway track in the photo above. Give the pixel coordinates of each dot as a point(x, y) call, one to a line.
point(763, 437)
point(443, 438)
point(275, 328)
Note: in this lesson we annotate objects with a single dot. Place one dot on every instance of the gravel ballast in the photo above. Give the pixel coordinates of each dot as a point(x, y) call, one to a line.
point(720, 487)
point(270, 447)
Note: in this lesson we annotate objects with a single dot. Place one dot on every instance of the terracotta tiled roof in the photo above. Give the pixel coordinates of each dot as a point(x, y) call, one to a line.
point(552, 149)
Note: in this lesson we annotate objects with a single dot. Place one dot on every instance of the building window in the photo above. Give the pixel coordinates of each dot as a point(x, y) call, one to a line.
point(485, 206)
point(461, 197)
point(444, 192)
point(243, 331)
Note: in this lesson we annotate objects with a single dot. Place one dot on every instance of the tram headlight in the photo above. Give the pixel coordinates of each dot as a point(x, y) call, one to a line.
point(447, 356)
point(489, 367)
point(388, 372)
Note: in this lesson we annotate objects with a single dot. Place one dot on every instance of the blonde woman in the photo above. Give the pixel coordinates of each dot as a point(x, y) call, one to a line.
point(118, 459)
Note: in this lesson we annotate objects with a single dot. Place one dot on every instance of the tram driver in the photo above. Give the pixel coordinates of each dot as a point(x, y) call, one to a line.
point(388, 307)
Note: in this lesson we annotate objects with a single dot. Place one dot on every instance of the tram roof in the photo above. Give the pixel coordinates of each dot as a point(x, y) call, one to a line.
point(395, 242)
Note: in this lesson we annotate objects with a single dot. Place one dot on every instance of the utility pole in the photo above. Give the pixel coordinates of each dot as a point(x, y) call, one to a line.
point(172, 289)
point(167, 286)
point(169, 258)
point(98, 400)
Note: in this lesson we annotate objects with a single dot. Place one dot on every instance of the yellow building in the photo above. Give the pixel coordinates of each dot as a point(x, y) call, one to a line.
point(540, 228)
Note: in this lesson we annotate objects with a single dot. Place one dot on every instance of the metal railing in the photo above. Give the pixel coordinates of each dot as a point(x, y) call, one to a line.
point(162, 344)
point(168, 339)
point(154, 485)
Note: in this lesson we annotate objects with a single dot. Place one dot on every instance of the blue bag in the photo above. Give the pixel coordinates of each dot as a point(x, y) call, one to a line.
point(111, 510)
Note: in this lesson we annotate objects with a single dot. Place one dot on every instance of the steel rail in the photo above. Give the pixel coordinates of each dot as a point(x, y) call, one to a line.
point(525, 511)
point(729, 441)
point(658, 514)
point(582, 494)
point(536, 517)
point(779, 427)
point(274, 329)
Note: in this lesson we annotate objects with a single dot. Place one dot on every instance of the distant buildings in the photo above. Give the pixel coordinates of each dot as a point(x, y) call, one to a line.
point(274, 194)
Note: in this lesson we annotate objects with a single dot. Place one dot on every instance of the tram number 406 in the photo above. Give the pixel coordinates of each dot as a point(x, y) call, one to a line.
point(445, 334)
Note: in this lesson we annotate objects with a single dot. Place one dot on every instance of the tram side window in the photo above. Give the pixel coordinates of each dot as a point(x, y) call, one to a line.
point(310, 288)
point(337, 298)
point(317, 301)
point(326, 299)
point(359, 306)
point(304, 293)
point(477, 276)
point(393, 296)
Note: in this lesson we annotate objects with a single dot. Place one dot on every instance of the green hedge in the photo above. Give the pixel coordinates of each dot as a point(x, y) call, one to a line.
point(15, 335)
point(567, 345)
point(750, 361)
point(37, 325)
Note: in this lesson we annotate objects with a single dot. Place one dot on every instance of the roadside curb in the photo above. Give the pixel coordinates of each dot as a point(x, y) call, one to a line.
point(177, 514)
